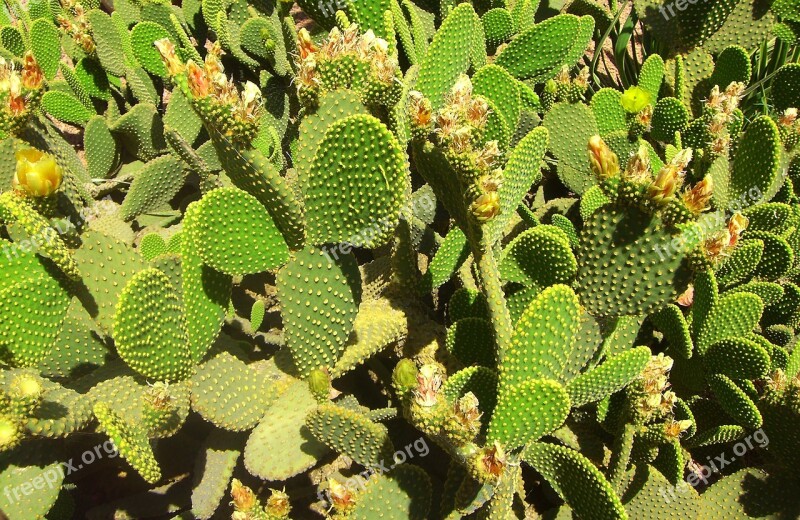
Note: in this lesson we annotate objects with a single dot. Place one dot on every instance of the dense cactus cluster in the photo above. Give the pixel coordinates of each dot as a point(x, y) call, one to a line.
point(407, 259)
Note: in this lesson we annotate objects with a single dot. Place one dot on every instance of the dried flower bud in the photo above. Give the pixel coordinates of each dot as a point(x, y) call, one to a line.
point(167, 50)
point(198, 81)
point(494, 460)
point(789, 117)
point(32, 76)
point(429, 379)
point(488, 156)
point(341, 496)
point(278, 505)
point(467, 412)
point(478, 112)
point(687, 298)
point(243, 497)
point(736, 226)
point(420, 108)
point(638, 169)
point(461, 93)
point(462, 140)
point(697, 198)
point(673, 429)
point(305, 47)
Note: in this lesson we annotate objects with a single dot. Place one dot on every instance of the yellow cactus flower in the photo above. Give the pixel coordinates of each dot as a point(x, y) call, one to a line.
point(32, 76)
point(167, 50)
point(486, 207)
point(635, 99)
point(37, 173)
point(603, 160)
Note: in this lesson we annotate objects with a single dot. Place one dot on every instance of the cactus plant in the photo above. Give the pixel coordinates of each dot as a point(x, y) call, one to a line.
point(293, 261)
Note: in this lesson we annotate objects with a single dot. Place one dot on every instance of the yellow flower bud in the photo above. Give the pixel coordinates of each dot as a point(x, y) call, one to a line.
point(603, 160)
point(37, 173)
point(486, 207)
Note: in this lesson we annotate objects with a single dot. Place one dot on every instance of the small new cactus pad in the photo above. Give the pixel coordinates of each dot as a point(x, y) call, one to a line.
point(522, 171)
point(627, 264)
point(450, 256)
point(732, 315)
point(402, 494)
point(611, 376)
point(320, 291)
point(352, 434)
point(378, 325)
point(735, 401)
point(149, 329)
point(281, 446)
point(539, 257)
point(357, 184)
point(576, 480)
point(213, 474)
point(131, 442)
point(230, 394)
point(154, 185)
point(548, 405)
point(234, 234)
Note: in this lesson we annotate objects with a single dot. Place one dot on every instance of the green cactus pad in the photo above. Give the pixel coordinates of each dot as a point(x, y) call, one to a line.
point(481, 381)
point(402, 494)
point(44, 37)
point(43, 238)
point(230, 394)
point(737, 358)
point(131, 442)
point(611, 376)
point(742, 262)
point(498, 26)
point(538, 53)
point(539, 257)
point(235, 234)
point(151, 246)
point(755, 168)
point(206, 294)
point(357, 184)
point(213, 472)
point(108, 41)
point(149, 329)
point(571, 126)
point(624, 242)
point(104, 286)
point(526, 411)
point(522, 170)
point(769, 292)
point(786, 310)
point(471, 341)
point(645, 497)
point(34, 505)
point(12, 41)
point(93, 79)
point(669, 116)
point(608, 112)
point(143, 35)
point(786, 87)
point(34, 310)
point(319, 283)
point(777, 258)
point(141, 130)
point(496, 84)
point(65, 107)
point(651, 75)
point(351, 433)
point(78, 350)
point(333, 106)
point(576, 479)
point(154, 185)
point(281, 446)
point(733, 315)
point(448, 55)
point(735, 401)
point(450, 256)
point(746, 494)
point(102, 150)
point(61, 412)
point(377, 326)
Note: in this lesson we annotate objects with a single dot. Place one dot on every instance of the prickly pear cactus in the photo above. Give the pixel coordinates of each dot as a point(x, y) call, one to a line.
point(280, 261)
